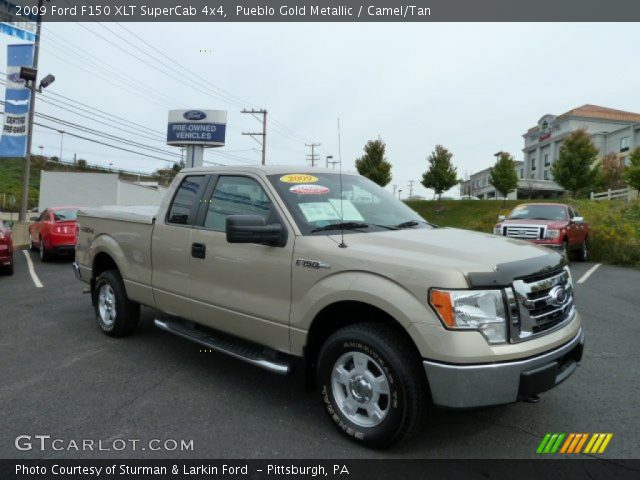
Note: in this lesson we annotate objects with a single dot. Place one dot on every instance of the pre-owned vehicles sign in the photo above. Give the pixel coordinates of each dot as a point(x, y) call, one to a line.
point(197, 127)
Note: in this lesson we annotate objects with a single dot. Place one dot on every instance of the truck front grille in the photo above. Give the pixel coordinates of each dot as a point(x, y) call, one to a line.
point(540, 304)
point(528, 232)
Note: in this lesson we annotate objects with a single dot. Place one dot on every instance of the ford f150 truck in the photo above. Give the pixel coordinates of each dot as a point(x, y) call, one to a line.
point(388, 314)
point(553, 225)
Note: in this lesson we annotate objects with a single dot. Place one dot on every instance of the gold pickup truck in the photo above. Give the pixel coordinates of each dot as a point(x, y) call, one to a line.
point(388, 314)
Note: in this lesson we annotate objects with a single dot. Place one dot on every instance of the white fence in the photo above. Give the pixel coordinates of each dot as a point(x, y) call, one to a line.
point(626, 194)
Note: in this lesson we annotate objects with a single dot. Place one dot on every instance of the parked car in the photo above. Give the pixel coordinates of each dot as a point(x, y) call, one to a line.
point(553, 225)
point(386, 311)
point(54, 232)
point(6, 248)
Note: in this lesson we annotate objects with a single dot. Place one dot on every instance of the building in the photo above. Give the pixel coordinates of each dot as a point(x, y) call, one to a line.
point(479, 184)
point(94, 190)
point(612, 131)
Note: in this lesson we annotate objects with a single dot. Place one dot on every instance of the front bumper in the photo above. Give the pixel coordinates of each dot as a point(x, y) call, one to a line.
point(481, 385)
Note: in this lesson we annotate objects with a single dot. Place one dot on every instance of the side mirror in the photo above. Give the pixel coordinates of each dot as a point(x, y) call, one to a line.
point(8, 224)
point(501, 218)
point(253, 229)
point(578, 220)
point(33, 219)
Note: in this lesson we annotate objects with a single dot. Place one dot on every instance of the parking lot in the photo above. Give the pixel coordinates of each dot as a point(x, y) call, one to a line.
point(60, 376)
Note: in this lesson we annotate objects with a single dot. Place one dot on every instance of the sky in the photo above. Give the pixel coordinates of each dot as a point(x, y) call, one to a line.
point(473, 87)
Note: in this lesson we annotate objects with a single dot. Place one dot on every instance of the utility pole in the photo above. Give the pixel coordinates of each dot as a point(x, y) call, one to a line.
point(32, 105)
point(411, 182)
point(314, 156)
point(329, 157)
point(334, 163)
point(262, 134)
point(395, 188)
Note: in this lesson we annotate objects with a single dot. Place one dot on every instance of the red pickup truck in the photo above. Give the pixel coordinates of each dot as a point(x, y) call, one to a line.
point(554, 225)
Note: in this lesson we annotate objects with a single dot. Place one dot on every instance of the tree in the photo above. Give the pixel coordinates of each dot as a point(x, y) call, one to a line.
point(168, 174)
point(373, 164)
point(632, 172)
point(441, 175)
point(574, 169)
point(611, 172)
point(503, 175)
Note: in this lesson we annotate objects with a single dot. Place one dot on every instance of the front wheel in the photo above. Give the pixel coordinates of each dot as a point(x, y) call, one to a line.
point(372, 384)
point(583, 254)
point(117, 315)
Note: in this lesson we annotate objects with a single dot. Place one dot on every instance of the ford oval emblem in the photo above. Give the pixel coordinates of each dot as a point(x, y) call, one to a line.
point(194, 115)
point(15, 78)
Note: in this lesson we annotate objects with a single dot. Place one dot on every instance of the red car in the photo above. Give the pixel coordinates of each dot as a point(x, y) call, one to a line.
point(554, 225)
point(6, 249)
point(54, 232)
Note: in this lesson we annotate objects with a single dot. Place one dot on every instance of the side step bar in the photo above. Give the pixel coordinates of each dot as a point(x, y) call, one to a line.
point(245, 351)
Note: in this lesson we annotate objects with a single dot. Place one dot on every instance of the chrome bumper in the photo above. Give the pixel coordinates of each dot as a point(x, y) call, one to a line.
point(470, 386)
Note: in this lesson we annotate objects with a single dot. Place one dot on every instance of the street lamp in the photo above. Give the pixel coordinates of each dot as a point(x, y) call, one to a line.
point(400, 194)
point(329, 157)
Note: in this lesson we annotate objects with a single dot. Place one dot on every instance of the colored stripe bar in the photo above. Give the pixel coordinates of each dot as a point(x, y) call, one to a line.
point(543, 443)
point(550, 443)
point(581, 443)
point(565, 447)
point(605, 443)
point(556, 446)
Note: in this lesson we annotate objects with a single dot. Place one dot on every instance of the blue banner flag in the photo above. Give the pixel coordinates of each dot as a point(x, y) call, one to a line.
point(17, 98)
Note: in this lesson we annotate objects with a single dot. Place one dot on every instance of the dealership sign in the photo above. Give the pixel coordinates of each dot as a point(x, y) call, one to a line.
point(15, 26)
point(206, 128)
point(17, 98)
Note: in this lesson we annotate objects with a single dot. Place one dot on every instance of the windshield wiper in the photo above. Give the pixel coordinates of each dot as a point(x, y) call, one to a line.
point(341, 226)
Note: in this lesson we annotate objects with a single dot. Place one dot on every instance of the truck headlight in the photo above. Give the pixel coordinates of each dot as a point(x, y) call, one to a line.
point(481, 310)
point(497, 230)
point(552, 234)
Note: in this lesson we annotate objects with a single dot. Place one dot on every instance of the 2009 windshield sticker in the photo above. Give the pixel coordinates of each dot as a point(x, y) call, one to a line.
point(298, 178)
point(306, 189)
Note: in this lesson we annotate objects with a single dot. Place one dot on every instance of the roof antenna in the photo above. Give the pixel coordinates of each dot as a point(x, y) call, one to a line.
point(342, 244)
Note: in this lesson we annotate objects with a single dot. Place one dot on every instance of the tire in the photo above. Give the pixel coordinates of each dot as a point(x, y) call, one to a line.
point(582, 255)
point(45, 256)
point(8, 270)
point(565, 251)
point(117, 315)
point(381, 360)
point(32, 246)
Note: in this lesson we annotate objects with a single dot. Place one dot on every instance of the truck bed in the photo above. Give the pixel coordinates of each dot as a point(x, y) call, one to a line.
point(138, 214)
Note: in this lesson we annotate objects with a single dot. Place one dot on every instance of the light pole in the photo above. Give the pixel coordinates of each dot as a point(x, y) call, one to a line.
point(41, 148)
point(400, 194)
point(329, 157)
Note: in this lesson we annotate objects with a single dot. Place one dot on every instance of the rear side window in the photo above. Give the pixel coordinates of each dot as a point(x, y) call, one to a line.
point(186, 200)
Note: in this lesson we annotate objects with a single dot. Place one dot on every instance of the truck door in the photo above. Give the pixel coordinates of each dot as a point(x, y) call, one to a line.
point(242, 289)
point(171, 247)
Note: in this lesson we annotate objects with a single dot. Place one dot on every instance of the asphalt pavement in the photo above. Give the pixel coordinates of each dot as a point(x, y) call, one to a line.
point(61, 377)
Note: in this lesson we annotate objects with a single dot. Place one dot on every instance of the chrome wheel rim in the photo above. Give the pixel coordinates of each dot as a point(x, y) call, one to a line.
point(41, 249)
point(585, 251)
point(360, 389)
point(107, 305)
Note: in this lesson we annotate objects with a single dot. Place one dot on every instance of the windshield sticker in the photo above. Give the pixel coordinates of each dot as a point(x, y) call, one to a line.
point(309, 189)
point(328, 211)
point(298, 178)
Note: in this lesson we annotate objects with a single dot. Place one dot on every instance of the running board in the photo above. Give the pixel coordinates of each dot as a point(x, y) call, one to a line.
point(240, 349)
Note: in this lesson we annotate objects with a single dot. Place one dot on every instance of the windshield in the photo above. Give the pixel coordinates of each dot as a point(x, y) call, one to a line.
point(64, 215)
point(315, 203)
point(538, 212)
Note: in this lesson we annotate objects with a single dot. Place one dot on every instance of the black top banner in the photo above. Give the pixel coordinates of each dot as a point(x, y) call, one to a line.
point(321, 11)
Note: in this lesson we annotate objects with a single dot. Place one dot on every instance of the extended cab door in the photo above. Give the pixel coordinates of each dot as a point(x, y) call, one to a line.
point(242, 289)
point(171, 247)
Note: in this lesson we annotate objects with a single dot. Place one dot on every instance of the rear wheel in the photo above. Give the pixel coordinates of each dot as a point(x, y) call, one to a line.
point(565, 250)
point(7, 270)
point(117, 315)
point(45, 256)
point(372, 384)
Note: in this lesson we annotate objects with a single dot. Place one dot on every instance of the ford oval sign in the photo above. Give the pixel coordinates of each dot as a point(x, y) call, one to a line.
point(195, 115)
point(15, 78)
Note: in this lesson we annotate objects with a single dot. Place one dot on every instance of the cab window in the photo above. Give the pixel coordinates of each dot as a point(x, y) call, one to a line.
point(186, 200)
point(236, 196)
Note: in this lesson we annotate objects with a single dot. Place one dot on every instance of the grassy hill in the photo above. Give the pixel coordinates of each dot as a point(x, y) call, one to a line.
point(11, 172)
point(615, 225)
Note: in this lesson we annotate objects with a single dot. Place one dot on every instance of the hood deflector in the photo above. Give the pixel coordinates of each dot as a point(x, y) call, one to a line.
point(506, 273)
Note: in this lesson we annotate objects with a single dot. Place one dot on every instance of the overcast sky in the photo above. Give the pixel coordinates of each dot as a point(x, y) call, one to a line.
point(474, 88)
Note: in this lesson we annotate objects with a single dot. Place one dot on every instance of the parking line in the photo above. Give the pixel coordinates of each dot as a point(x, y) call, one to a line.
point(589, 272)
point(32, 270)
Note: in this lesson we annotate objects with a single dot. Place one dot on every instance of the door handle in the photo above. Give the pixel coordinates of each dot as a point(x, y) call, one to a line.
point(198, 250)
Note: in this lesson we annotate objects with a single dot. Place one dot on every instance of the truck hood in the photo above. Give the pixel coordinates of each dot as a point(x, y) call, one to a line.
point(480, 257)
